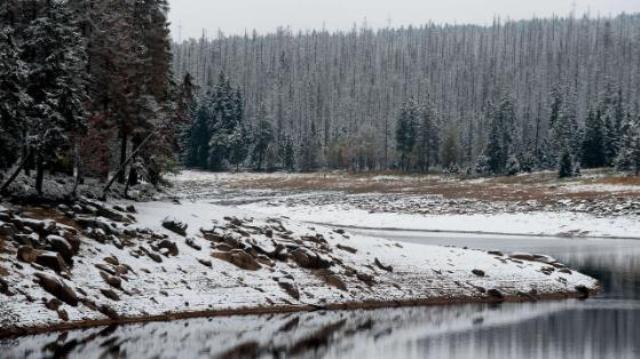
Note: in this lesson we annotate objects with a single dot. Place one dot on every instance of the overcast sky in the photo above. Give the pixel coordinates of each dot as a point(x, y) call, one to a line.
point(236, 16)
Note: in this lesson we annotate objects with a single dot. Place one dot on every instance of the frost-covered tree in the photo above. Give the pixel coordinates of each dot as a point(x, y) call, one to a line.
point(406, 133)
point(501, 135)
point(513, 166)
point(566, 164)
point(56, 61)
point(262, 139)
point(428, 139)
point(629, 155)
point(15, 102)
point(593, 151)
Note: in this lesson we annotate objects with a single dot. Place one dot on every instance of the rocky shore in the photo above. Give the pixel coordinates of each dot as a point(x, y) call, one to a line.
point(88, 263)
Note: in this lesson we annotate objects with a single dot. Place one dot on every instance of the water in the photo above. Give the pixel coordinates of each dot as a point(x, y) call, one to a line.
point(607, 326)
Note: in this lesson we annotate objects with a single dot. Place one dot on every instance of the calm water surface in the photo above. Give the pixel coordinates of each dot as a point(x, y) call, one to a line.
point(604, 327)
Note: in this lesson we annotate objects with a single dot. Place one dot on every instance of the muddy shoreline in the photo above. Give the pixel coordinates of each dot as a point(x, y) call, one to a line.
point(364, 305)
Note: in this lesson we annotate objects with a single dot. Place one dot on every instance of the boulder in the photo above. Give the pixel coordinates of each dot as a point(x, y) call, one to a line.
point(109, 293)
point(239, 258)
point(175, 226)
point(387, 268)
point(61, 246)
point(309, 260)
point(478, 272)
point(28, 254)
point(111, 280)
point(170, 246)
point(57, 288)
point(290, 288)
point(52, 260)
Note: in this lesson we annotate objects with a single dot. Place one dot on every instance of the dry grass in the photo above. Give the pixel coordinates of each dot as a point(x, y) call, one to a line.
point(42, 213)
point(542, 186)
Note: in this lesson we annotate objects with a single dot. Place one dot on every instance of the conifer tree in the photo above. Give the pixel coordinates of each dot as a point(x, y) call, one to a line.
point(593, 152)
point(406, 133)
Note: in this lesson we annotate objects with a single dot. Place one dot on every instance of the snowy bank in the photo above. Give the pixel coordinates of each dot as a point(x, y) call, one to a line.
point(88, 264)
point(564, 224)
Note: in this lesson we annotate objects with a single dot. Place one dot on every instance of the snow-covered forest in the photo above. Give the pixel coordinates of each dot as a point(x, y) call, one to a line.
point(555, 93)
point(86, 89)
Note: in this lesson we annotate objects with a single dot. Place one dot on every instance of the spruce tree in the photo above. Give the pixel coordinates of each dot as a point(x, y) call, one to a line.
point(566, 165)
point(56, 60)
point(593, 152)
point(406, 133)
point(262, 138)
point(15, 102)
point(629, 156)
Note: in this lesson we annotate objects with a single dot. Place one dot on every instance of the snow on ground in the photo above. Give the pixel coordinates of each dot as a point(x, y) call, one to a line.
point(244, 262)
point(535, 223)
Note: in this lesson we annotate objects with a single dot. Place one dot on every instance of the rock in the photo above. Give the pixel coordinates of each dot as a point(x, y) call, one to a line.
point(496, 253)
point(239, 258)
point(309, 260)
point(4, 288)
point(111, 260)
point(108, 311)
point(170, 246)
point(347, 249)
point(61, 246)
point(63, 315)
point(495, 293)
point(290, 288)
point(154, 256)
point(52, 260)
point(175, 226)
point(111, 280)
point(339, 231)
point(131, 209)
point(331, 279)
point(53, 304)
point(27, 254)
point(478, 272)
point(8, 230)
point(58, 289)
point(109, 293)
point(205, 262)
point(382, 266)
point(583, 292)
point(367, 278)
point(192, 243)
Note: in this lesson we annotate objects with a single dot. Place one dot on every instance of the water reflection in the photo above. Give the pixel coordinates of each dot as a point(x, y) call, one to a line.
point(603, 327)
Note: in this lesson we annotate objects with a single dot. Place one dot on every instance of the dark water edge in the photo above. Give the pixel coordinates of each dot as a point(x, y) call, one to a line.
point(607, 326)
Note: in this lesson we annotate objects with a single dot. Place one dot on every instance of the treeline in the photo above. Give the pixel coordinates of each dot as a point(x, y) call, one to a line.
point(500, 99)
point(84, 87)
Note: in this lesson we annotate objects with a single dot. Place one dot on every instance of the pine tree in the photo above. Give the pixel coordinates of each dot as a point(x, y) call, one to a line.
point(56, 60)
point(406, 133)
point(513, 166)
point(14, 100)
point(593, 152)
point(286, 154)
point(428, 139)
point(500, 141)
point(238, 142)
point(262, 137)
point(450, 148)
point(566, 165)
point(629, 156)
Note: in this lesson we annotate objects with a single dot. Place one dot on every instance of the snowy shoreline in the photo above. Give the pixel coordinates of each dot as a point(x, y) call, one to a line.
point(234, 261)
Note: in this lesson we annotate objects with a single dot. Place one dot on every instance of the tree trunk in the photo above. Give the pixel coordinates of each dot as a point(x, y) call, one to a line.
point(39, 173)
point(76, 167)
point(15, 173)
point(123, 166)
point(123, 155)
